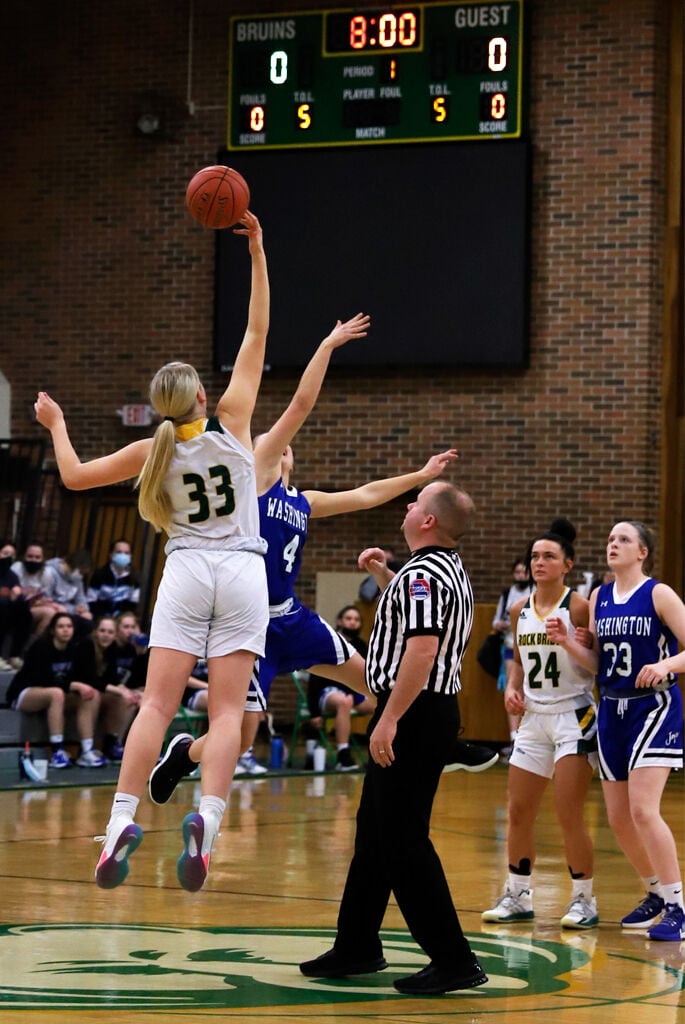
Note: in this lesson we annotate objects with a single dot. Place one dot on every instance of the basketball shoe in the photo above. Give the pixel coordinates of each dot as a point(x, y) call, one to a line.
point(581, 913)
point(172, 767)
point(193, 864)
point(123, 837)
point(511, 907)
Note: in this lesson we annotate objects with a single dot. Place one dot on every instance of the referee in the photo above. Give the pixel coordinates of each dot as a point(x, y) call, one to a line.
point(422, 624)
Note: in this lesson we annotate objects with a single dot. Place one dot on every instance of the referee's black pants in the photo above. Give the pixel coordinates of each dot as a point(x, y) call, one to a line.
point(393, 851)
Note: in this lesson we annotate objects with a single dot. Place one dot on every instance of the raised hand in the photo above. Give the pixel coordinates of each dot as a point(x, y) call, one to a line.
point(357, 327)
point(437, 464)
point(48, 412)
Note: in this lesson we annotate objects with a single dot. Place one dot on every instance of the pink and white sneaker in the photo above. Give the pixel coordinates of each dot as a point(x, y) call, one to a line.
point(193, 865)
point(123, 837)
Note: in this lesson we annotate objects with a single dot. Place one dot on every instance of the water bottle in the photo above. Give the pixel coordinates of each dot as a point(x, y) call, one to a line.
point(310, 746)
point(27, 769)
point(319, 759)
point(276, 755)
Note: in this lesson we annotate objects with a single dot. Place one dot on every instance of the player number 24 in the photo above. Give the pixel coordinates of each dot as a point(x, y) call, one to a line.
point(223, 488)
point(538, 672)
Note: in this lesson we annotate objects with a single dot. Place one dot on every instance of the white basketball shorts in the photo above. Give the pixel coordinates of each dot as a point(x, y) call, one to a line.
point(211, 603)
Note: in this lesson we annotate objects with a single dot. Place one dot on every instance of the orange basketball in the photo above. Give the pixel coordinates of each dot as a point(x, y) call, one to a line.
point(217, 196)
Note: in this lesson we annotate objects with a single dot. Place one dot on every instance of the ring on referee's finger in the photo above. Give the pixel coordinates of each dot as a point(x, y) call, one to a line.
point(381, 751)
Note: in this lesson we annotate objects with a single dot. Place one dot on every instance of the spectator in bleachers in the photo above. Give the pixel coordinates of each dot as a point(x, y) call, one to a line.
point(132, 652)
point(38, 582)
point(95, 662)
point(46, 682)
point(115, 588)
point(15, 620)
point(69, 590)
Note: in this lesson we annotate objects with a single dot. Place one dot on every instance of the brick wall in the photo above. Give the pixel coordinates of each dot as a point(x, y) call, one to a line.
point(104, 276)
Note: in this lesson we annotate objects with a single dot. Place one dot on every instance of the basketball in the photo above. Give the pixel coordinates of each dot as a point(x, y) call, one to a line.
point(217, 196)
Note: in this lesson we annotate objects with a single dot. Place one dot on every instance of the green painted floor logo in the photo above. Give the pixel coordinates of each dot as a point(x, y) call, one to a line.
point(87, 967)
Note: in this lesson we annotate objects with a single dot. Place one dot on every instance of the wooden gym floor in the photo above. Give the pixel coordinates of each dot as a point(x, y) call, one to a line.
point(151, 952)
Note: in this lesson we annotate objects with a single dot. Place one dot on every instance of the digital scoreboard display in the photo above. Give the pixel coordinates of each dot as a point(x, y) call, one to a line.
point(420, 73)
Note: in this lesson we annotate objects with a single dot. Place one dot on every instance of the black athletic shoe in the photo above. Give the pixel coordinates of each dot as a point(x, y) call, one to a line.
point(432, 981)
point(471, 757)
point(333, 965)
point(345, 762)
point(169, 771)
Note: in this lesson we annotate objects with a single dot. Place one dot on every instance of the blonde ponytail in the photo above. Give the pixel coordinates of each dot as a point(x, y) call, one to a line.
point(173, 392)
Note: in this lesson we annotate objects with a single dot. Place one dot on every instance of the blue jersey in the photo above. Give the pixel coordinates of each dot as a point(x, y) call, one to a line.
point(630, 635)
point(283, 516)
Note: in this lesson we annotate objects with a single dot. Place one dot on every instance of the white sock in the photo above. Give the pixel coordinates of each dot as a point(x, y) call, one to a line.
point(343, 746)
point(86, 745)
point(672, 892)
point(518, 883)
point(212, 810)
point(57, 740)
point(124, 803)
point(652, 885)
point(581, 887)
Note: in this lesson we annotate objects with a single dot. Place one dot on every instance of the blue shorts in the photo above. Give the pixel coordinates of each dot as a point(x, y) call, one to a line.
point(640, 732)
point(297, 640)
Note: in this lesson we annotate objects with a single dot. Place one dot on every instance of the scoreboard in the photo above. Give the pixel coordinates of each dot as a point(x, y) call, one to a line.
point(357, 76)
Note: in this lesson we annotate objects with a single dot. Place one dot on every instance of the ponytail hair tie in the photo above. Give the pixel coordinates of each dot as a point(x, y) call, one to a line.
point(168, 419)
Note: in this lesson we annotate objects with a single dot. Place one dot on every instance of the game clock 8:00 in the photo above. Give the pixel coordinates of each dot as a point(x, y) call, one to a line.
point(357, 76)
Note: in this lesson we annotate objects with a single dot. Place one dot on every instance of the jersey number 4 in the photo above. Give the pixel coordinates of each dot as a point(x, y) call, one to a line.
point(223, 489)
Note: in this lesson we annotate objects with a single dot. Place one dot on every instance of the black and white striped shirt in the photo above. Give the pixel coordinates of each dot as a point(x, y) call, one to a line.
point(430, 596)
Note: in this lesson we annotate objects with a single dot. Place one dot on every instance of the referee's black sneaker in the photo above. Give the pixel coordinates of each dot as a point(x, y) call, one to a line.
point(432, 980)
point(333, 965)
point(470, 757)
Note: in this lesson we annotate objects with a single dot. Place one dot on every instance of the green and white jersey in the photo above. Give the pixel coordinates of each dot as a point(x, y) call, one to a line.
point(212, 487)
point(552, 681)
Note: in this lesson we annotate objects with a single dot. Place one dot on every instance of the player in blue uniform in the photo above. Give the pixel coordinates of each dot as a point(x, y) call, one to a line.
point(635, 625)
point(297, 638)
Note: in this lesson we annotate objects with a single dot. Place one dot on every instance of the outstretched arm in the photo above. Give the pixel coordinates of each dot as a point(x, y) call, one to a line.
point(377, 492)
point(236, 405)
point(77, 475)
point(272, 444)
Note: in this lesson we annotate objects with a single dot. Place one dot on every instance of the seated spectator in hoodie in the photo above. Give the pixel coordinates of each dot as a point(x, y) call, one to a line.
point(38, 582)
point(115, 588)
point(47, 683)
point(69, 590)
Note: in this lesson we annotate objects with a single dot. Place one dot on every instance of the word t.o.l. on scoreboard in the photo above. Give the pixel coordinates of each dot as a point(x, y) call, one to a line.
point(418, 73)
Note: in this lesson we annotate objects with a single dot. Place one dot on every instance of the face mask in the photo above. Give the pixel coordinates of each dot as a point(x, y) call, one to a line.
point(350, 632)
point(33, 567)
point(522, 584)
point(121, 560)
point(5, 564)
